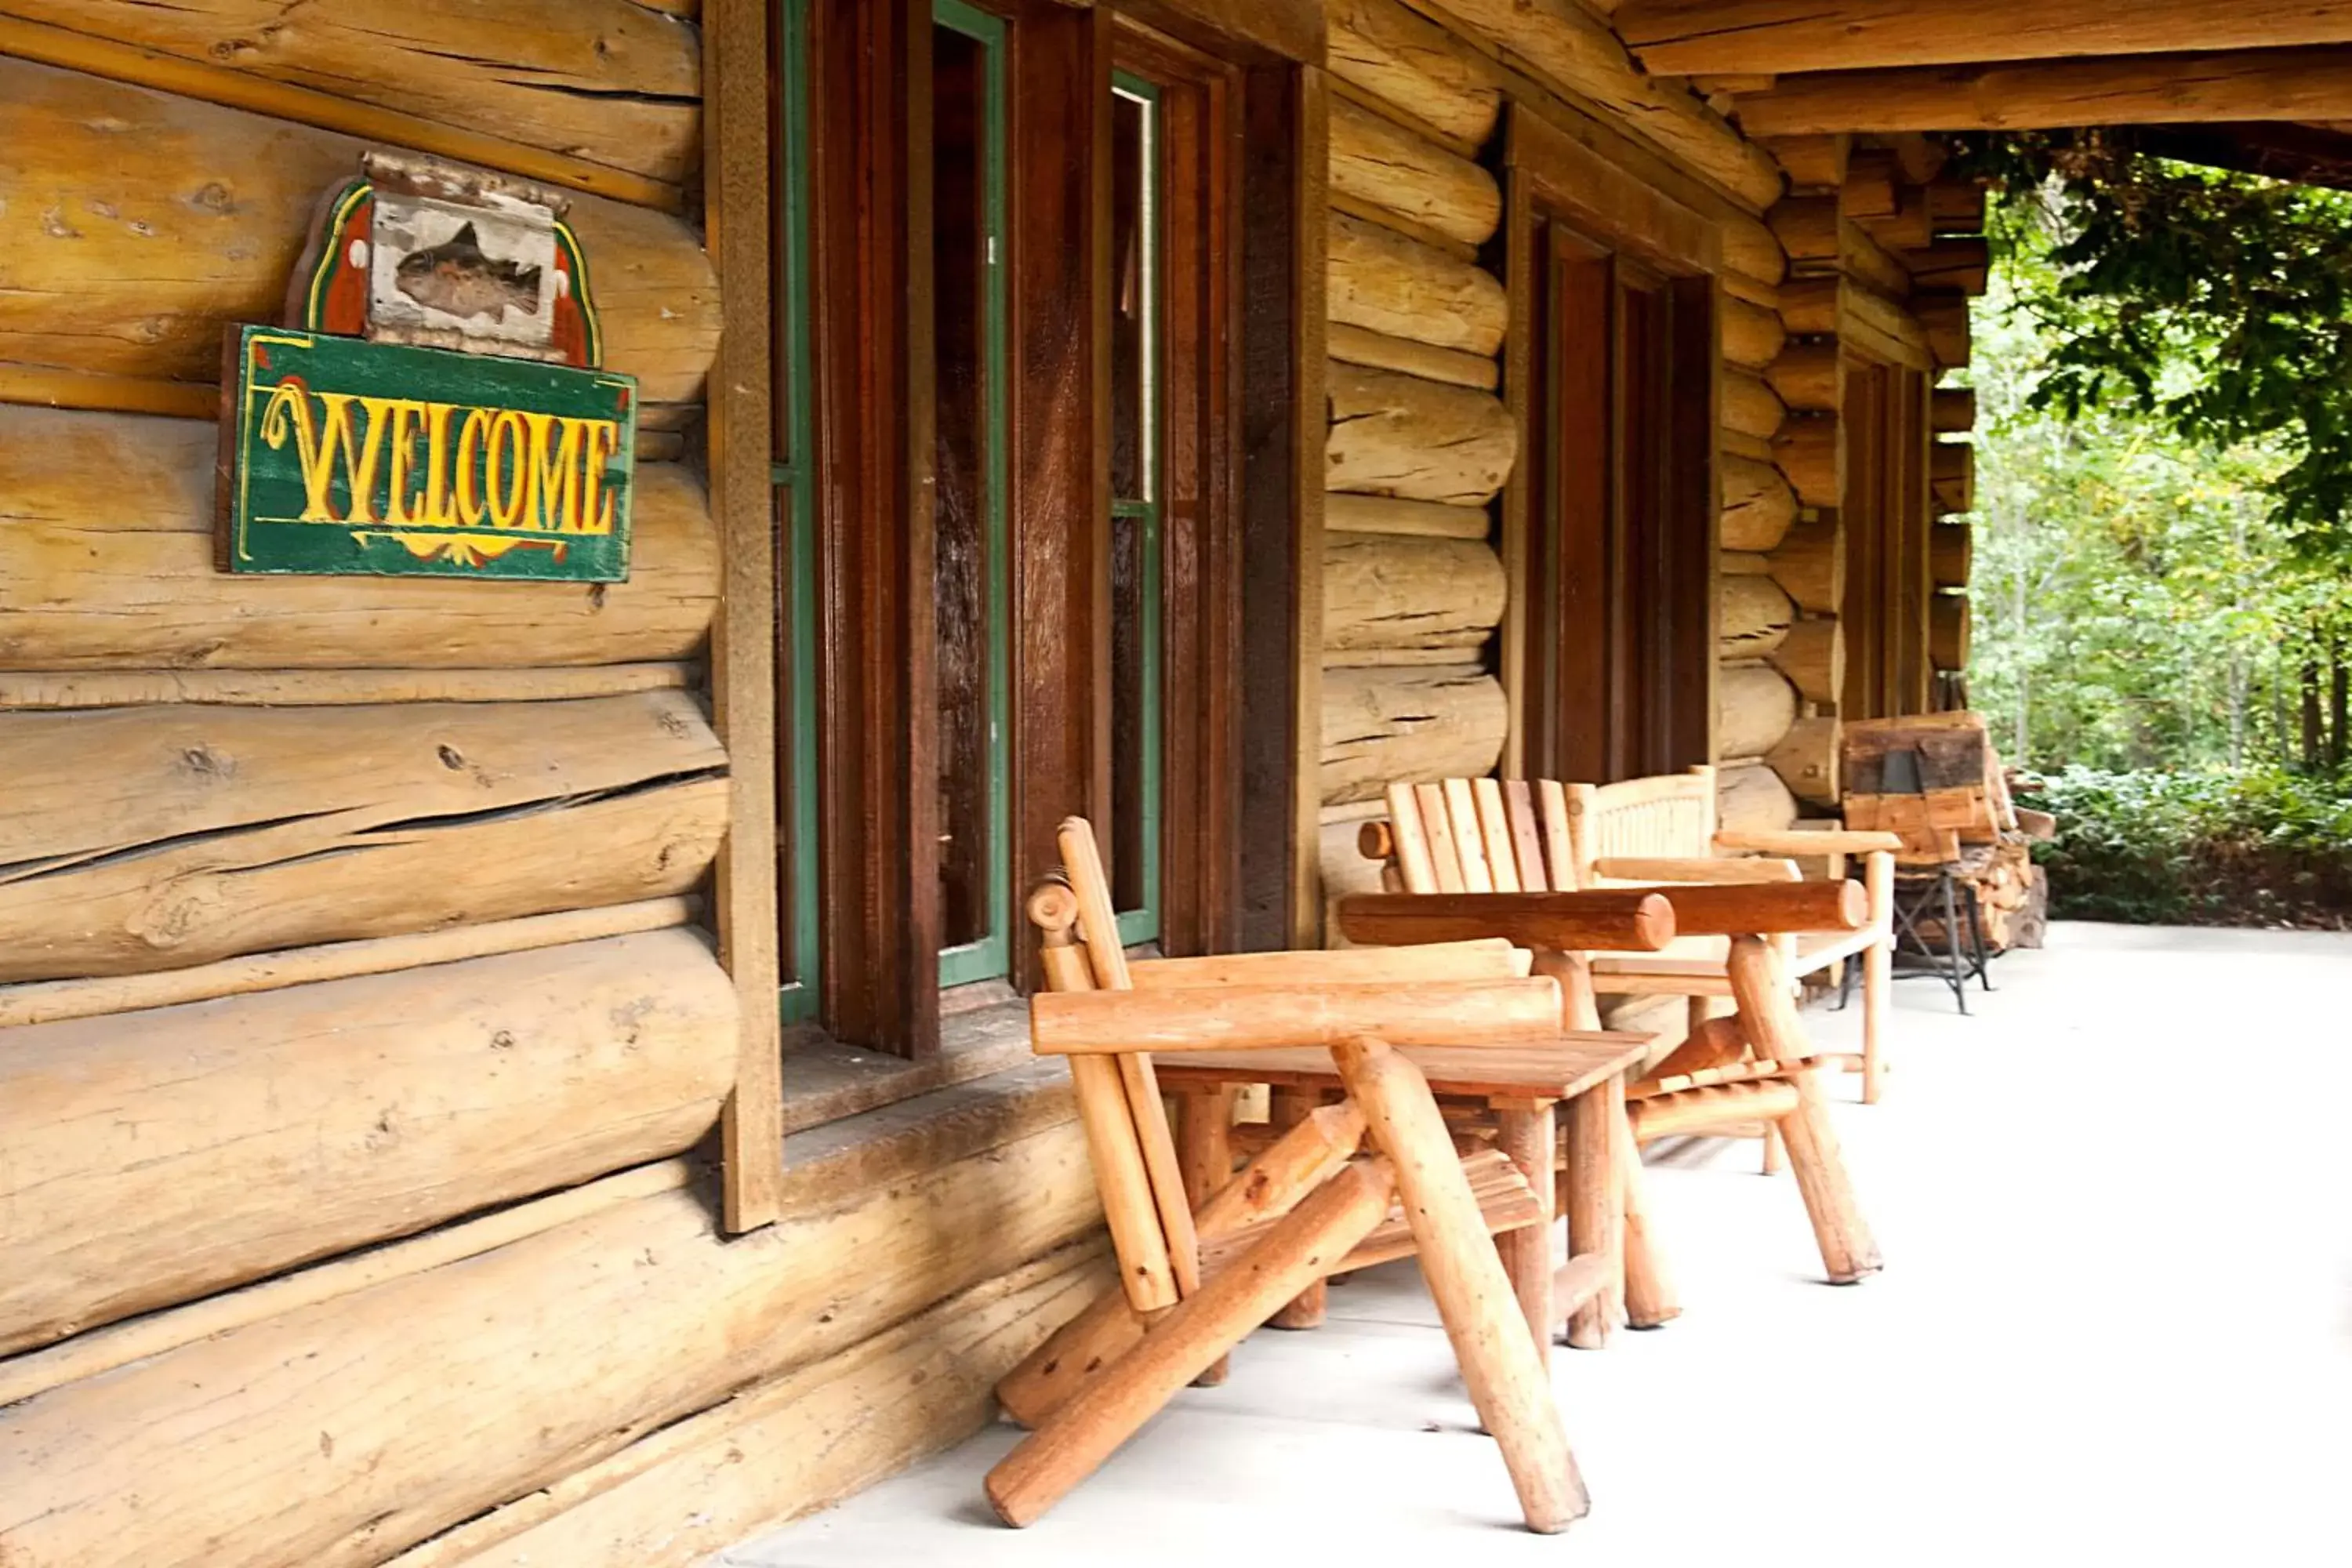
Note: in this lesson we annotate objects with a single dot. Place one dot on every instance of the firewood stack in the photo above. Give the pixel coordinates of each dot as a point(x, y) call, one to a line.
point(1935, 780)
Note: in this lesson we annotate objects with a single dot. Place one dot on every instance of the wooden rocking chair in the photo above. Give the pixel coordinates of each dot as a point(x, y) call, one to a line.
point(1193, 1283)
point(1488, 858)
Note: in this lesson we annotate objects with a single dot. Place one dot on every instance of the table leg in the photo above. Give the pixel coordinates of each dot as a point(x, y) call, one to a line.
point(1287, 1109)
point(1593, 1202)
point(1526, 1135)
point(1204, 1150)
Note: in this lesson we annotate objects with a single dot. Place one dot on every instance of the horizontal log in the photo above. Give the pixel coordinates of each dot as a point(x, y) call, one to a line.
point(1378, 162)
point(1562, 41)
point(1758, 504)
point(1752, 335)
point(1951, 547)
point(1743, 563)
point(1863, 259)
point(1809, 375)
point(1711, 1109)
point(1380, 726)
point(1812, 452)
point(1754, 617)
point(1952, 410)
point(1808, 228)
point(1419, 440)
point(789, 1446)
point(337, 1435)
point(144, 839)
point(1809, 565)
point(1907, 225)
point(1880, 324)
point(1751, 797)
point(1752, 255)
point(1773, 36)
point(2260, 84)
point(1961, 261)
point(1255, 1017)
point(1394, 590)
point(1386, 514)
point(1749, 407)
point(1620, 920)
point(1807, 760)
point(1955, 204)
point(1813, 162)
point(51, 1001)
point(333, 687)
point(158, 1156)
point(1873, 183)
point(1766, 908)
point(1754, 706)
point(106, 542)
point(1947, 631)
point(1380, 280)
point(1945, 319)
point(132, 267)
point(1952, 472)
point(604, 80)
point(1405, 58)
point(1359, 345)
point(1813, 656)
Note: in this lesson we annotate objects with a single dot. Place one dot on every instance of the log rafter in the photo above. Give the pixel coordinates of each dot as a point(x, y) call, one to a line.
point(1786, 36)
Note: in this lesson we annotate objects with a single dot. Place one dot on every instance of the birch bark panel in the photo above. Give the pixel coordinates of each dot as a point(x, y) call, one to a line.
point(336, 1435)
point(159, 1157)
point(106, 562)
point(605, 80)
point(139, 225)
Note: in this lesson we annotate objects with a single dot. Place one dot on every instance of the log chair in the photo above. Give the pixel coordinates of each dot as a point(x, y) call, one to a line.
point(1472, 857)
point(1195, 1280)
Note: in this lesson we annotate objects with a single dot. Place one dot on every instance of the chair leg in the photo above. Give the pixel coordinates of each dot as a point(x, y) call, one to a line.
point(1287, 1109)
point(1649, 1287)
point(1525, 1133)
point(1878, 979)
point(1072, 1443)
point(1204, 1151)
point(1848, 1250)
point(1506, 1379)
point(1773, 1160)
point(1593, 1203)
point(1977, 936)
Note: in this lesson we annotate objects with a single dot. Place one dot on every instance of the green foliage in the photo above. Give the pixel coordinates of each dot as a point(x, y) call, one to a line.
point(2220, 304)
point(2253, 847)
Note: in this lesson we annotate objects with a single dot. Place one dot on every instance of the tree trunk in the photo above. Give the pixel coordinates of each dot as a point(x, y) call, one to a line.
point(2311, 721)
point(2339, 706)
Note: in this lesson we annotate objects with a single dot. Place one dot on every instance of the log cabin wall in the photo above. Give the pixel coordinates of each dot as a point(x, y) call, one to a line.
point(363, 1033)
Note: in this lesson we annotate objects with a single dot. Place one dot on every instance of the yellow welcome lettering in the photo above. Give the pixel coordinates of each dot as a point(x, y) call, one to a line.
point(472, 437)
point(554, 473)
point(595, 501)
point(508, 469)
point(402, 441)
point(369, 454)
point(288, 413)
point(438, 509)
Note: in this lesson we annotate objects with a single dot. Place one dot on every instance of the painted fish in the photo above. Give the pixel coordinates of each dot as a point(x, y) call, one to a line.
point(455, 276)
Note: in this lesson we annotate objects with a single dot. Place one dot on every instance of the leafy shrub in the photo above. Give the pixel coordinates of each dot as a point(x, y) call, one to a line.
point(2253, 847)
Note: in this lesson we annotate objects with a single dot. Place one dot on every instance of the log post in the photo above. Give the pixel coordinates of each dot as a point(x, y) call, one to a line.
point(1074, 1440)
point(1650, 1296)
point(1877, 975)
point(1204, 1150)
point(1594, 1199)
point(1506, 1377)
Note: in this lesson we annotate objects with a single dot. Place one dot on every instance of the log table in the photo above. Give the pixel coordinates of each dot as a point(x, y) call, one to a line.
point(1578, 1075)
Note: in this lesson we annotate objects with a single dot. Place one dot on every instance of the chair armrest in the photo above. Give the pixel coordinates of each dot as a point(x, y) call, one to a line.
point(1611, 920)
point(1712, 868)
point(1271, 1017)
point(1768, 908)
point(1830, 841)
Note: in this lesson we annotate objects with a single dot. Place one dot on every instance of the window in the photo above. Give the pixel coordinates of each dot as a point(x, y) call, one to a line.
point(796, 774)
point(1615, 519)
point(971, 594)
point(1136, 570)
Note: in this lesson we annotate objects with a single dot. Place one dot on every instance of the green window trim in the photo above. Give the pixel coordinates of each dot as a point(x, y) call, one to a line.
point(1141, 924)
point(990, 957)
point(797, 1002)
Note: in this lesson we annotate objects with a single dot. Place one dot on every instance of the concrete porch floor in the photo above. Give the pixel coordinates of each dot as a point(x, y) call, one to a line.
point(2116, 1327)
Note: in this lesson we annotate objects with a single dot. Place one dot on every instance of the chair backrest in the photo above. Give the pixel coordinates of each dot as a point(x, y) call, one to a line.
point(1538, 836)
point(1669, 817)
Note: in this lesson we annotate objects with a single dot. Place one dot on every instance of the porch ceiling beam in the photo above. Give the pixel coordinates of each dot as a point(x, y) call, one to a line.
point(2131, 89)
point(1695, 37)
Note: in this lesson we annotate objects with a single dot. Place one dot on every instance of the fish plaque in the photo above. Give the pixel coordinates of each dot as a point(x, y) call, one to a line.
point(435, 406)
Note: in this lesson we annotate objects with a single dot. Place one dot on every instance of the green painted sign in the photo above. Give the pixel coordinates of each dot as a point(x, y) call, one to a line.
point(345, 456)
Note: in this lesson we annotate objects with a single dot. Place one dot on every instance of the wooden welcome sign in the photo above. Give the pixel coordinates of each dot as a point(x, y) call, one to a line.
point(435, 407)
